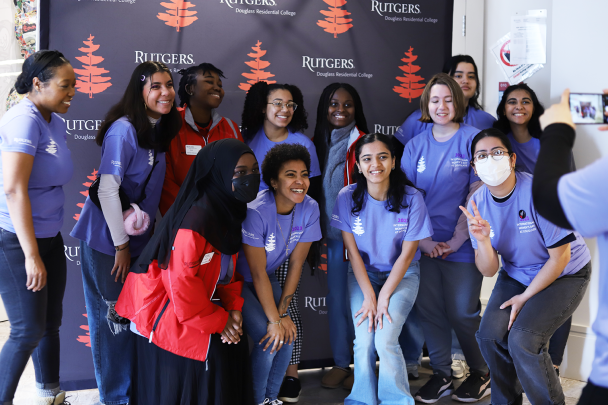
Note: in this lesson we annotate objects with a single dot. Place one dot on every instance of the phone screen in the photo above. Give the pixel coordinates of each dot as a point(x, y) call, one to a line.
point(587, 108)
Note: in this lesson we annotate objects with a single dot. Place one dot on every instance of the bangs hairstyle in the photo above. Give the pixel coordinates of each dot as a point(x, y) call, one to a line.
point(256, 101)
point(503, 122)
point(190, 77)
point(450, 68)
point(278, 155)
point(398, 179)
point(457, 98)
point(132, 106)
point(322, 128)
point(491, 133)
point(42, 65)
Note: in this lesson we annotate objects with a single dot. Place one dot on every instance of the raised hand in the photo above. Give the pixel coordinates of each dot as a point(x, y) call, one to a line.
point(479, 227)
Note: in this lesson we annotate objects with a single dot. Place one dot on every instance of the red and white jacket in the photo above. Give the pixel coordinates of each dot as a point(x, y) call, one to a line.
point(349, 167)
point(173, 307)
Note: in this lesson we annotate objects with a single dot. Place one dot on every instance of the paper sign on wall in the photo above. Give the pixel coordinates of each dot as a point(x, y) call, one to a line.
point(515, 73)
point(529, 38)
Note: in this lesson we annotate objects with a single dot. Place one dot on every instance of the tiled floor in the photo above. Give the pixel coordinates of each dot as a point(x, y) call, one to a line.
point(312, 392)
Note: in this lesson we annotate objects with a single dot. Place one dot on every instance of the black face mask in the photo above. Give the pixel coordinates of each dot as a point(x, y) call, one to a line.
point(246, 187)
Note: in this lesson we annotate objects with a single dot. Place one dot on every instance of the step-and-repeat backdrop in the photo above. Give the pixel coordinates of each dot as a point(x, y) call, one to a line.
point(388, 50)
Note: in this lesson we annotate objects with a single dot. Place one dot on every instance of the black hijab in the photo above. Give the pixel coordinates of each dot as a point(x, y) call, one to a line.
point(205, 204)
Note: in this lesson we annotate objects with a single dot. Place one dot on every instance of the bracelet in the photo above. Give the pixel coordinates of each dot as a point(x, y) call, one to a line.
point(285, 315)
point(274, 323)
point(118, 249)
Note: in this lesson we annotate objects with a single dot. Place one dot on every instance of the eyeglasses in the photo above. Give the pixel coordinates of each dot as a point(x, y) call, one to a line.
point(482, 157)
point(280, 104)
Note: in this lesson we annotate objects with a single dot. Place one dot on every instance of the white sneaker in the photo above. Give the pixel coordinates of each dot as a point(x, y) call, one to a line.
point(275, 402)
point(58, 399)
point(459, 367)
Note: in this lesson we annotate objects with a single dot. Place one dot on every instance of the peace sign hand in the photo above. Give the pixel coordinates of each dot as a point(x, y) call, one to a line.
point(479, 227)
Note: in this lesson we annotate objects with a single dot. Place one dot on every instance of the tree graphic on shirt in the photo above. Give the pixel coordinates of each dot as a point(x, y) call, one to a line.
point(271, 243)
point(90, 80)
point(409, 88)
point(85, 193)
point(421, 165)
point(177, 14)
point(257, 66)
point(491, 232)
point(335, 21)
point(358, 228)
point(150, 158)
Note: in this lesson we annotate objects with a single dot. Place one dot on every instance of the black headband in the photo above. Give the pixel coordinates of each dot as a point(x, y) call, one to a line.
point(42, 63)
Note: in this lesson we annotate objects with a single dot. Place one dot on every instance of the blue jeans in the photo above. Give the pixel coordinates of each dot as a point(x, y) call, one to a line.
point(35, 317)
point(267, 369)
point(341, 332)
point(411, 339)
point(518, 358)
point(392, 386)
point(113, 345)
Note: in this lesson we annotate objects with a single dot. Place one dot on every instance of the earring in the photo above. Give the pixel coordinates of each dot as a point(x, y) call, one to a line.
point(360, 171)
point(145, 105)
point(393, 167)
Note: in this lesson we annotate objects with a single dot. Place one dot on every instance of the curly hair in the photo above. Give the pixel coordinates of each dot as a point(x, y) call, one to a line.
point(256, 101)
point(189, 77)
point(278, 155)
point(398, 179)
point(503, 123)
point(457, 97)
point(322, 128)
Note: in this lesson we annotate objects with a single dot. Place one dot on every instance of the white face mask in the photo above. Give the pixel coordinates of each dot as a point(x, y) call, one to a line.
point(494, 172)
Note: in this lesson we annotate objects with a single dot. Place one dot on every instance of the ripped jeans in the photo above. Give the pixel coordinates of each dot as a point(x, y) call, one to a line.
point(112, 344)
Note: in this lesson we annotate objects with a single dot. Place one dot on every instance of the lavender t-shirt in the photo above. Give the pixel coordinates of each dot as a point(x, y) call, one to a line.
point(260, 144)
point(263, 227)
point(442, 169)
point(380, 233)
point(412, 126)
point(527, 153)
point(521, 236)
point(584, 198)
point(24, 130)
point(122, 156)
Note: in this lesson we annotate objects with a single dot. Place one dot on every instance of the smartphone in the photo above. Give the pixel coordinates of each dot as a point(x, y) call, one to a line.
point(589, 108)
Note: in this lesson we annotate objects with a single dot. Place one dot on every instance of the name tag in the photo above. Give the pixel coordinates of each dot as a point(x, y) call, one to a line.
point(192, 150)
point(207, 258)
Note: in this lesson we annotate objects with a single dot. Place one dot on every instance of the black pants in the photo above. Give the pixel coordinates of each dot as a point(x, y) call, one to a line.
point(593, 395)
point(35, 317)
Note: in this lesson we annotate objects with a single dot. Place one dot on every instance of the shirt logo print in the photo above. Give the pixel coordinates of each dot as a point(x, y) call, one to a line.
point(358, 227)
point(271, 243)
point(150, 158)
point(52, 147)
point(421, 165)
point(491, 233)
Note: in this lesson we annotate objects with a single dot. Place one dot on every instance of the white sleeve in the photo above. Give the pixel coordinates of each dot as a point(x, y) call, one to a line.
point(111, 208)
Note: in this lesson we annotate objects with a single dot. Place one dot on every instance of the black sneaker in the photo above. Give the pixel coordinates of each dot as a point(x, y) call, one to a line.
point(434, 389)
point(473, 388)
point(290, 390)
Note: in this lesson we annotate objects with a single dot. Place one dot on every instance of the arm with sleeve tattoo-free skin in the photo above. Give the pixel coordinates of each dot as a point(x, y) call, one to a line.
point(16, 170)
point(275, 333)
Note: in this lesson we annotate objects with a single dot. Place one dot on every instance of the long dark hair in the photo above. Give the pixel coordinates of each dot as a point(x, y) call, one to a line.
point(450, 67)
point(132, 106)
point(189, 77)
point(256, 99)
point(503, 122)
point(398, 179)
point(42, 65)
point(322, 128)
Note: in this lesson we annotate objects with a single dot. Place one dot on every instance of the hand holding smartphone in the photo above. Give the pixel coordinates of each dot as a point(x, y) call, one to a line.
point(589, 108)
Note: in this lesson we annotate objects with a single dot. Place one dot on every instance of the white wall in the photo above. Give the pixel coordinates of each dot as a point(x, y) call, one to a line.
point(576, 60)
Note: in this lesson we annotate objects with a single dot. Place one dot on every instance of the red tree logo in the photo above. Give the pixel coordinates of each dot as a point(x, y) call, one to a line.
point(177, 14)
point(335, 21)
point(85, 193)
point(90, 80)
point(86, 339)
point(409, 88)
point(257, 66)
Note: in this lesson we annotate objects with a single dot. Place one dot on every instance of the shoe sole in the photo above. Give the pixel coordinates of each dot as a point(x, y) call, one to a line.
point(331, 386)
point(457, 376)
point(290, 399)
point(469, 400)
point(432, 401)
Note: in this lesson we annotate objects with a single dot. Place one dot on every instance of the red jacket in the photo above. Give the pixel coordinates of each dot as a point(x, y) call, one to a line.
point(176, 304)
point(349, 167)
point(179, 159)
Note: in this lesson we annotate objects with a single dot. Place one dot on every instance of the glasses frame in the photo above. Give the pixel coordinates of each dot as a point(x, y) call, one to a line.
point(280, 105)
point(494, 156)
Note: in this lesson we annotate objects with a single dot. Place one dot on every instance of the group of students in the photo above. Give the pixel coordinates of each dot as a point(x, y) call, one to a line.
point(407, 242)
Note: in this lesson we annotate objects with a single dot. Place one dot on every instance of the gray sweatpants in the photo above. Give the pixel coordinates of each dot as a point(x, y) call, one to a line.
point(448, 298)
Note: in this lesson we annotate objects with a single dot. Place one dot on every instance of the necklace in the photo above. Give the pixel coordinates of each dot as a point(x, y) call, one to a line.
point(510, 192)
point(293, 213)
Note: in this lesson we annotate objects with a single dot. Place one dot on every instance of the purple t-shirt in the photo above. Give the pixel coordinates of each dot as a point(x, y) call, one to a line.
point(263, 227)
point(380, 233)
point(584, 198)
point(260, 145)
point(527, 153)
point(442, 169)
point(121, 155)
point(24, 130)
point(412, 126)
point(521, 236)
